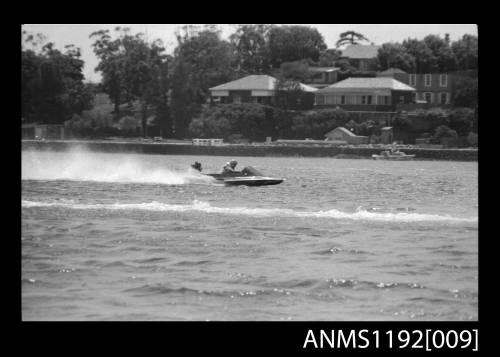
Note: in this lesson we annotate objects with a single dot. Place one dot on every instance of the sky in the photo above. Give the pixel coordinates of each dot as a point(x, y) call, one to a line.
point(78, 35)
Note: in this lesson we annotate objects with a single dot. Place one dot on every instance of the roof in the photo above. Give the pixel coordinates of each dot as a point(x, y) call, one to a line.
point(323, 69)
point(391, 71)
point(253, 82)
point(360, 51)
point(307, 88)
point(344, 130)
point(256, 82)
point(368, 83)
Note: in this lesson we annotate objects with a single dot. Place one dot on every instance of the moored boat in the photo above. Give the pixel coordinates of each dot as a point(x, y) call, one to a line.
point(393, 155)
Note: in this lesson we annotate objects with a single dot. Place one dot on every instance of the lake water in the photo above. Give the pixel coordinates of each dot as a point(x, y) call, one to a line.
point(142, 237)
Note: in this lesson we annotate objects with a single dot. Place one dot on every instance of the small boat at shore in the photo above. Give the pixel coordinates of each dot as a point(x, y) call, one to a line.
point(393, 155)
point(249, 176)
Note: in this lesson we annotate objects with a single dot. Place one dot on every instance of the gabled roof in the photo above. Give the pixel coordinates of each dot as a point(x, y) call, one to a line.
point(360, 51)
point(256, 82)
point(253, 82)
point(307, 88)
point(342, 129)
point(390, 71)
point(367, 83)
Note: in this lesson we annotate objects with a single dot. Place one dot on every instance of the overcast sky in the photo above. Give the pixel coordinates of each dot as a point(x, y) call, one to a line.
point(78, 35)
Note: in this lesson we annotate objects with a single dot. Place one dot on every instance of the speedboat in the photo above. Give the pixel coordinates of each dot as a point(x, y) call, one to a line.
point(394, 155)
point(249, 176)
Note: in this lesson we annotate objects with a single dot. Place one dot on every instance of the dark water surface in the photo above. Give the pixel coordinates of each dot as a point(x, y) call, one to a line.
point(141, 237)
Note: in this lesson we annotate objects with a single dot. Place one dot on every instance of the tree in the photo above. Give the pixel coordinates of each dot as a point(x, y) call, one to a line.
point(52, 87)
point(201, 60)
point(395, 55)
point(466, 52)
point(328, 58)
point(134, 71)
point(351, 37)
point(443, 131)
point(111, 57)
point(297, 70)
point(292, 43)
point(446, 61)
point(250, 44)
point(461, 120)
point(465, 93)
point(432, 54)
point(288, 93)
point(425, 60)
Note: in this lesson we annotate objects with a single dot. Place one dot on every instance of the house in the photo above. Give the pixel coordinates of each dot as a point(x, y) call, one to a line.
point(363, 57)
point(250, 89)
point(365, 94)
point(435, 89)
point(322, 76)
point(342, 134)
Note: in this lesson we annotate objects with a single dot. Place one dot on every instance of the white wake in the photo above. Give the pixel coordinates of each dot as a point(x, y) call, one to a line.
point(201, 206)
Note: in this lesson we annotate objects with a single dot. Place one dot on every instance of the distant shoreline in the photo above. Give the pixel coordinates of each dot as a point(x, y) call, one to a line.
point(179, 148)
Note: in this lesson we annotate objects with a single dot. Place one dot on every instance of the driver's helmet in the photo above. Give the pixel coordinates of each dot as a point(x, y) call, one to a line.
point(233, 163)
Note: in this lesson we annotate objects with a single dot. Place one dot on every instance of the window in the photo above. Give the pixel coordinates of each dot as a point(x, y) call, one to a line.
point(427, 80)
point(428, 97)
point(383, 100)
point(342, 99)
point(401, 98)
point(237, 99)
point(443, 98)
point(413, 80)
point(320, 99)
point(443, 80)
point(414, 97)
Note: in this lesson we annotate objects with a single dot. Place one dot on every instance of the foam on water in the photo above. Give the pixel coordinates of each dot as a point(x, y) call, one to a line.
point(80, 165)
point(256, 212)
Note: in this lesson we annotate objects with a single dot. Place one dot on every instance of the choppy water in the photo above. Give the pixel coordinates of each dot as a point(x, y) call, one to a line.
point(141, 237)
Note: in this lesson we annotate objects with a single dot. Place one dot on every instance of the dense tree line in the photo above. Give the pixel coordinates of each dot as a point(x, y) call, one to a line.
point(431, 54)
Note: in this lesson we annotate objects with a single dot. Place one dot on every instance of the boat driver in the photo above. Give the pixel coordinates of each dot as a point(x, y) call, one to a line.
point(196, 166)
point(229, 167)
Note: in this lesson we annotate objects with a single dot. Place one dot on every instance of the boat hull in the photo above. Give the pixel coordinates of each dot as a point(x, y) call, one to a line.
point(246, 180)
point(249, 181)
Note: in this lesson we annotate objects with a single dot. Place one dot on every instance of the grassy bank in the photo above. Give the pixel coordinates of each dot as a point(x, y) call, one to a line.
point(244, 150)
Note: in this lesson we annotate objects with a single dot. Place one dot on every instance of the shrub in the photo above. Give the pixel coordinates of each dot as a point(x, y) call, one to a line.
point(316, 123)
point(461, 120)
point(98, 118)
point(472, 139)
point(466, 91)
point(443, 132)
point(254, 121)
point(128, 123)
point(402, 123)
